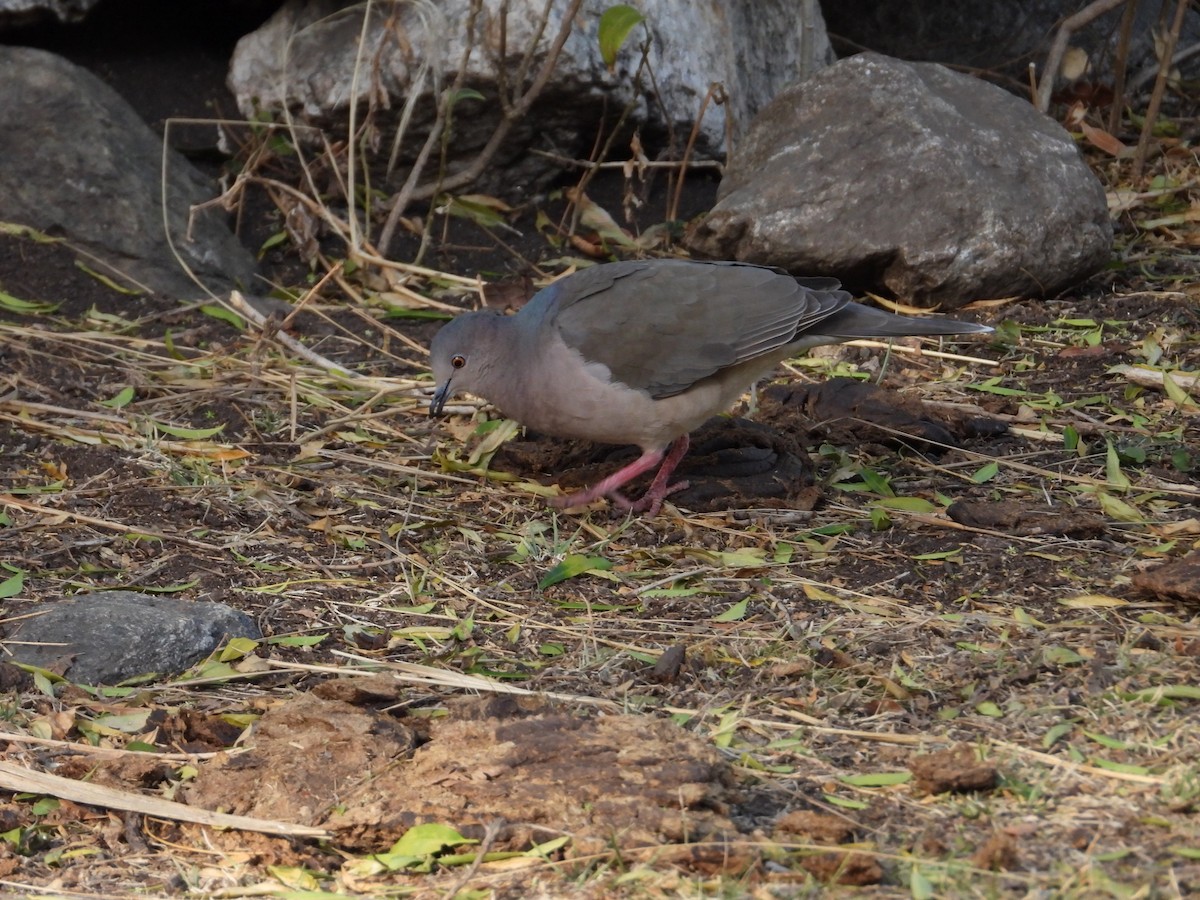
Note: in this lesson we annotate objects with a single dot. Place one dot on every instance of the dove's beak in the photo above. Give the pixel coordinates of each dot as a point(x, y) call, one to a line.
point(438, 401)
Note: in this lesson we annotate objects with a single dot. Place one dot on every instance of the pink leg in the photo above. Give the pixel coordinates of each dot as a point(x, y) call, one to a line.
point(659, 489)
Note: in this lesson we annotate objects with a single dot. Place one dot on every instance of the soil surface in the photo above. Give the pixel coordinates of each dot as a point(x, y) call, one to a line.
point(899, 635)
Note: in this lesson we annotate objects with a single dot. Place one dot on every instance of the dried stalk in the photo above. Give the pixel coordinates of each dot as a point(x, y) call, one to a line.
point(1058, 48)
point(1122, 64)
point(514, 109)
point(1160, 88)
point(716, 93)
point(405, 195)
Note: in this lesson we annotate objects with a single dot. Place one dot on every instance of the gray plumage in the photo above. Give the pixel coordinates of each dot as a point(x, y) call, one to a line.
point(642, 352)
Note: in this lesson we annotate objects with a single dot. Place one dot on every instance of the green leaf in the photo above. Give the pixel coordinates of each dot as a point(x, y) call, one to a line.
point(106, 281)
point(939, 554)
point(43, 679)
point(908, 504)
point(464, 94)
point(1070, 438)
point(24, 307)
point(224, 315)
point(169, 343)
point(845, 802)
point(118, 323)
point(398, 312)
point(832, 530)
point(273, 241)
point(877, 779)
point(499, 432)
point(1124, 768)
point(237, 648)
point(428, 839)
point(1055, 734)
point(985, 473)
point(122, 399)
point(1105, 741)
point(1112, 468)
point(12, 229)
point(993, 386)
point(550, 846)
point(876, 483)
point(589, 606)
point(298, 640)
point(989, 709)
point(1167, 692)
point(572, 565)
point(212, 670)
point(920, 887)
point(300, 881)
point(735, 613)
point(615, 25)
point(1119, 509)
point(745, 558)
point(12, 586)
point(188, 434)
point(486, 215)
point(1175, 393)
point(1061, 656)
point(172, 588)
point(1021, 617)
point(125, 723)
point(137, 537)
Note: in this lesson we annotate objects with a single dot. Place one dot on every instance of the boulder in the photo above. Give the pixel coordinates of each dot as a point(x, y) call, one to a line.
point(1001, 39)
point(22, 12)
point(311, 57)
point(78, 162)
point(910, 179)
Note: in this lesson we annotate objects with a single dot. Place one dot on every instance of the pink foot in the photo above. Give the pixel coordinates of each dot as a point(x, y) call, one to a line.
point(651, 502)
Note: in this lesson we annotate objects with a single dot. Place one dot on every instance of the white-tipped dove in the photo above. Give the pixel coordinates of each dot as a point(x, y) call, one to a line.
point(643, 352)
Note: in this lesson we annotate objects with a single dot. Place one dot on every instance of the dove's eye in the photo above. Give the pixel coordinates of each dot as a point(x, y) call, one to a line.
point(458, 361)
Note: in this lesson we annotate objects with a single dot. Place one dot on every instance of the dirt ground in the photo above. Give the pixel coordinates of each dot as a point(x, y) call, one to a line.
point(930, 661)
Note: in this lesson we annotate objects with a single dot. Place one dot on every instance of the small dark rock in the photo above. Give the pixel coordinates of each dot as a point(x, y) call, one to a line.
point(666, 669)
point(955, 769)
point(1015, 517)
point(108, 637)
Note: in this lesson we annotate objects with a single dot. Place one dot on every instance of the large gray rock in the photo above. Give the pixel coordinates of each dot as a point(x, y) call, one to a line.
point(911, 179)
point(78, 162)
point(1002, 39)
point(20, 12)
point(305, 58)
point(107, 637)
